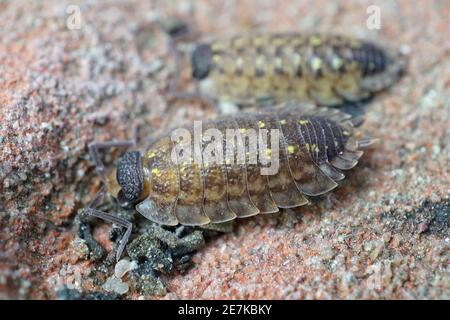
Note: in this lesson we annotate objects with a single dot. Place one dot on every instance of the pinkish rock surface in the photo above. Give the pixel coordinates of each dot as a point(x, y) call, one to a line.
point(383, 234)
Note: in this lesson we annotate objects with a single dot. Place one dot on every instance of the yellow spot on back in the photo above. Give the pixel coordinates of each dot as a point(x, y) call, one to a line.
point(238, 42)
point(151, 154)
point(259, 60)
point(297, 59)
point(243, 130)
point(218, 45)
point(315, 40)
point(316, 63)
point(261, 124)
point(156, 171)
point(303, 122)
point(346, 133)
point(282, 121)
point(336, 63)
point(258, 41)
point(291, 149)
point(278, 62)
point(268, 153)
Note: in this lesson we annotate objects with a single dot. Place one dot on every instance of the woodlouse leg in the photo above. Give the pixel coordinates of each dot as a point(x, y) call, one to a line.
point(94, 148)
point(91, 211)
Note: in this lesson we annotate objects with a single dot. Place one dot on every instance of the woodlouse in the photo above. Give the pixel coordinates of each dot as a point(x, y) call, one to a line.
point(316, 143)
point(325, 69)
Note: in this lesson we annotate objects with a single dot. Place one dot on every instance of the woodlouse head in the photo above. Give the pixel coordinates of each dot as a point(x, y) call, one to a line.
point(128, 184)
point(201, 61)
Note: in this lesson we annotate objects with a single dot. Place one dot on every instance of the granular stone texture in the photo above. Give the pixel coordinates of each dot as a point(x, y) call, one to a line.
point(383, 234)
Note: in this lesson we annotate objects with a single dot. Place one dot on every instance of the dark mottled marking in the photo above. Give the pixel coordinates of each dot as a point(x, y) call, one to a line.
point(299, 72)
point(278, 71)
point(259, 73)
point(279, 51)
point(238, 72)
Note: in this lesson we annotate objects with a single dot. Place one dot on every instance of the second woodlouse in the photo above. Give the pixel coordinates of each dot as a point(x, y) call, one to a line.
point(315, 145)
point(325, 69)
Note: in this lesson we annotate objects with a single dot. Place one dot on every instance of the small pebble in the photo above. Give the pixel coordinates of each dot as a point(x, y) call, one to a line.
point(435, 198)
point(123, 266)
point(116, 285)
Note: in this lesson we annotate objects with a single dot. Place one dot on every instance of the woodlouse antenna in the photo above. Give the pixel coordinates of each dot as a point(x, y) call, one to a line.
point(94, 150)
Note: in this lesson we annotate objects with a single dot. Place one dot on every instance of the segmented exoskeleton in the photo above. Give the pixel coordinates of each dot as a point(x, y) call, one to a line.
point(315, 144)
point(326, 69)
